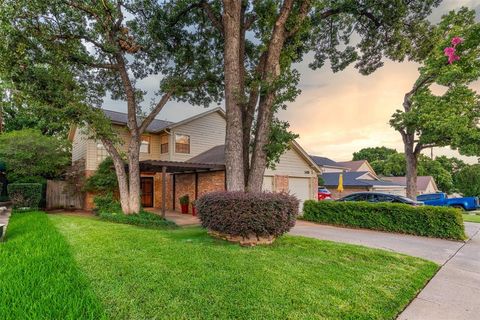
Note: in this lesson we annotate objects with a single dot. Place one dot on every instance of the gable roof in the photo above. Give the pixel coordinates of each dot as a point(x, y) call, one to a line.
point(354, 179)
point(121, 118)
point(422, 181)
point(157, 125)
point(323, 161)
point(352, 165)
point(216, 155)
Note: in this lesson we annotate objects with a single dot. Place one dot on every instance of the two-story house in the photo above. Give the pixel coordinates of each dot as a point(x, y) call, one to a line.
point(191, 152)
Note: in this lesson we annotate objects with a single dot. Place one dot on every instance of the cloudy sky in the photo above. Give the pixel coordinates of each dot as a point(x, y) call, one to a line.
point(340, 113)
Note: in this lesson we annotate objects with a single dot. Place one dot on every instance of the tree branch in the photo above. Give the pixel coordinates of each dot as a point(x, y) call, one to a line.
point(146, 122)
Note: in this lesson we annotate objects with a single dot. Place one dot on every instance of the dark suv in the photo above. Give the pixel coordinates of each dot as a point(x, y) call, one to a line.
point(380, 197)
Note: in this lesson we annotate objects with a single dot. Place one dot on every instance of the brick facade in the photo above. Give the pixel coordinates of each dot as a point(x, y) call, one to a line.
point(184, 184)
point(280, 183)
point(210, 182)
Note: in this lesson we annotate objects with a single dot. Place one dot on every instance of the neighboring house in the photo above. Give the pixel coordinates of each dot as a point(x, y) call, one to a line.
point(191, 151)
point(359, 165)
point(359, 182)
point(328, 165)
point(425, 184)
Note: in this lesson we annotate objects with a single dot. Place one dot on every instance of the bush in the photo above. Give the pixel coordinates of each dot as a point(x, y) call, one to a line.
point(143, 219)
point(109, 209)
point(439, 222)
point(25, 195)
point(104, 180)
point(246, 214)
point(107, 203)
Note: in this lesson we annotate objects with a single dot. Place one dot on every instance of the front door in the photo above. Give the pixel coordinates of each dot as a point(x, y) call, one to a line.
point(146, 185)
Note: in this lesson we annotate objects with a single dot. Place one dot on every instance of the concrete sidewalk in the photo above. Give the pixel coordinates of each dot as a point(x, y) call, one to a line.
point(453, 293)
point(437, 250)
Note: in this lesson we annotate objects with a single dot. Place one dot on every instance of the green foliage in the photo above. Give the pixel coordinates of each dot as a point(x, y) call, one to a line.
point(142, 219)
point(373, 154)
point(106, 203)
point(467, 181)
point(321, 181)
point(185, 200)
point(39, 272)
point(443, 178)
point(108, 208)
point(186, 263)
point(32, 157)
point(25, 195)
point(426, 221)
point(104, 180)
point(279, 141)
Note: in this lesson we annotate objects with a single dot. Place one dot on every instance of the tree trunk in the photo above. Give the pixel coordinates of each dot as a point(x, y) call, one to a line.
point(411, 169)
point(234, 135)
point(122, 178)
point(267, 100)
point(134, 175)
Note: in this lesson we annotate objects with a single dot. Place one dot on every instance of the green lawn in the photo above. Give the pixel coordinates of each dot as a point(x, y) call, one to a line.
point(471, 217)
point(141, 273)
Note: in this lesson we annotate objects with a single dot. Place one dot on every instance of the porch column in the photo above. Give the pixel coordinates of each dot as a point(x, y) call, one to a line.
point(164, 190)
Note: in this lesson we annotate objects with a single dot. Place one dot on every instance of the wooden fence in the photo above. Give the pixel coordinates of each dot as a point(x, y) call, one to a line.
point(61, 195)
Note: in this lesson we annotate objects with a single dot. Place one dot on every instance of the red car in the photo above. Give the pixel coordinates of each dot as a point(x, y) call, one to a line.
point(324, 194)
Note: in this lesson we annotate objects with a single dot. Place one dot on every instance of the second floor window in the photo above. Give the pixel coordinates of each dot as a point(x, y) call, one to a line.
point(101, 152)
point(182, 143)
point(145, 146)
point(164, 144)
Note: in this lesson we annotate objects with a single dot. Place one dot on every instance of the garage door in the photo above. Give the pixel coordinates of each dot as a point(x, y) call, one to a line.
point(300, 187)
point(267, 184)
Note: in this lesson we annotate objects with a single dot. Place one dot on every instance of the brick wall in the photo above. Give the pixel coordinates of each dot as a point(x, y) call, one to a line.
point(88, 203)
point(280, 183)
point(210, 182)
point(184, 184)
point(157, 180)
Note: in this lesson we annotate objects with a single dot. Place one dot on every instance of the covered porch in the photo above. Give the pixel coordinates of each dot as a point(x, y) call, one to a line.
point(163, 182)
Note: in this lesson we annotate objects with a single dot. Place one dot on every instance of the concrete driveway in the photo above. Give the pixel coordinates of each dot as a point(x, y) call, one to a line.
point(453, 293)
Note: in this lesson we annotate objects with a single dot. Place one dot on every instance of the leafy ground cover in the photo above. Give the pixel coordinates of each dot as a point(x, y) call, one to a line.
point(184, 274)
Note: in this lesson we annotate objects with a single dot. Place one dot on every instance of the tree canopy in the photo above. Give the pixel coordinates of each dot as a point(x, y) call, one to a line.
point(30, 156)
point(373, 154)
point(467, 181)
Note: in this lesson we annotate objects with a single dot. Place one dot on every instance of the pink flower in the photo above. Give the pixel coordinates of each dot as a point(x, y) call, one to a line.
point(449, 51)
point(456, 40)
point(453, 58)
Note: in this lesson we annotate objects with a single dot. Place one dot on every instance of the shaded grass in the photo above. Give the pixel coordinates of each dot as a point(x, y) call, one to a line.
point(184, 274)
point(39, 277)
point(471, 217)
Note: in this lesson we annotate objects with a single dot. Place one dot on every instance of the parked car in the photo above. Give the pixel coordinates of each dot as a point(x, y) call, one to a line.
point(324, 194)
point(441, 199)
point(380, 197)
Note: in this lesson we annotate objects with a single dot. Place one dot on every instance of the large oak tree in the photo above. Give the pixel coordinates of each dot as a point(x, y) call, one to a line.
point(261, 41)
point(69, 54)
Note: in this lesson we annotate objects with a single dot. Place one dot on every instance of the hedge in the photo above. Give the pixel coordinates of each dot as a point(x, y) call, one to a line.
point(261, 214)
point(25, 195)
point(429, 221)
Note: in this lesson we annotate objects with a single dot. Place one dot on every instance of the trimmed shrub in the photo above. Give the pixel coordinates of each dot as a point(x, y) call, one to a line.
point(245, 214)
point(438, 222)
point(25, 195)
point(106, 203)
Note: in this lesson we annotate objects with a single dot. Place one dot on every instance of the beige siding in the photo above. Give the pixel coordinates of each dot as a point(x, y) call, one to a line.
point(325, 170)
point(205, 133)
point(79, 145)
point(292, 164)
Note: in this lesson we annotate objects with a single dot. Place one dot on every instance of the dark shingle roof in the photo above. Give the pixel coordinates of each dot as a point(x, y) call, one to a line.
point(121, 118)
point(324, 161)
point(351, 179)
point(215, 155)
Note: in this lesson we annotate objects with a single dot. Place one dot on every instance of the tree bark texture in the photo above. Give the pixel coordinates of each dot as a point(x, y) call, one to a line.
point(233, 94)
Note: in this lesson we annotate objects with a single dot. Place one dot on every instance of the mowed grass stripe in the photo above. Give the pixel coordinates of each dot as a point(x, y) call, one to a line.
point(39, 278)
point(185, 274)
